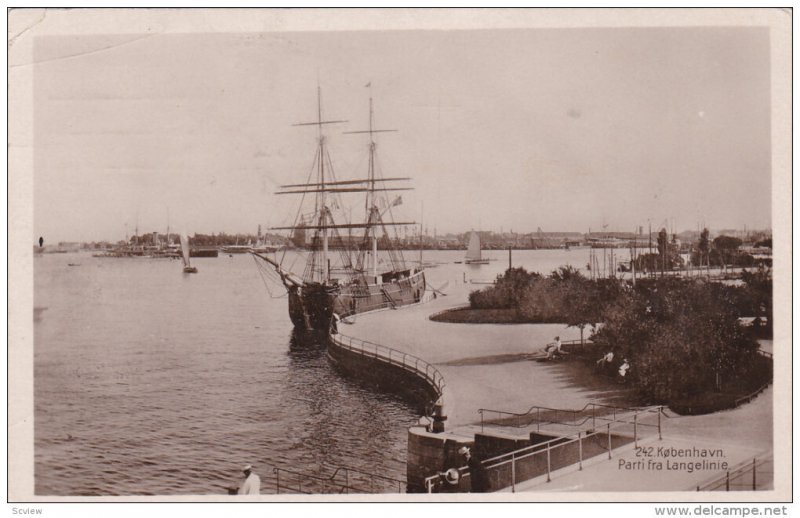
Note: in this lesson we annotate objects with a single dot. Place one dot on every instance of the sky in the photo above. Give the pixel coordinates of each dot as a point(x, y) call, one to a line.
point(512, 129)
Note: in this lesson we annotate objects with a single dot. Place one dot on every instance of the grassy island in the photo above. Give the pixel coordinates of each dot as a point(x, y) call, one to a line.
point(683, 337)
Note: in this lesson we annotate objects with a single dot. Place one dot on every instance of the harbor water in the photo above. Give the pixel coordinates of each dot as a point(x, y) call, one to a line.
point(148, 381)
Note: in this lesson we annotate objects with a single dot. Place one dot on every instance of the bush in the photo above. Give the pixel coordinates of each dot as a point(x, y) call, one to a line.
point(683, 339)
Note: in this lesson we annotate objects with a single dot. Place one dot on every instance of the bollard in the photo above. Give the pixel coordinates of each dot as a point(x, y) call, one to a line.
point(438, 418)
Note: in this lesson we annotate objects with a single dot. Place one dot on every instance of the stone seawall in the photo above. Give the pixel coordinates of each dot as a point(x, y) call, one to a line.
point(388, 369)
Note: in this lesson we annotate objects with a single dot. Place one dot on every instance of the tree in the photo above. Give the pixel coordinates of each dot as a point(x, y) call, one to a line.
point(663, 248)
point(727, 248)
point(703, 246)
point(682, 338)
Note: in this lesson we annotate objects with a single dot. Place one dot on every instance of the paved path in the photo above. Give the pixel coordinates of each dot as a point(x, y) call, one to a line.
point(741, 434)
point(497, 369)
point(490, 366)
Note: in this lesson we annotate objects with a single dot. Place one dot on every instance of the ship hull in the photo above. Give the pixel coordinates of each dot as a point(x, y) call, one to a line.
point(312, 306)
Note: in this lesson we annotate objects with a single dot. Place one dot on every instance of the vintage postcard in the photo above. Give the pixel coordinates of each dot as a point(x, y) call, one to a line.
point(419, 255)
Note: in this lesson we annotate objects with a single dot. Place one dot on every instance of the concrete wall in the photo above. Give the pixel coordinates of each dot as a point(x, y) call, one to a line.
point(386, 376)
point(432, 453)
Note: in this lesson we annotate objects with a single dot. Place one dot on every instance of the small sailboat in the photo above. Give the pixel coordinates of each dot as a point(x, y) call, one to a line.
point(474, 251)
point(187, 266)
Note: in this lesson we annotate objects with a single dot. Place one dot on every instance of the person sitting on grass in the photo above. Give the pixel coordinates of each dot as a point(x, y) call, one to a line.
point(623, 370)
point(606, 360)
point(553, 349)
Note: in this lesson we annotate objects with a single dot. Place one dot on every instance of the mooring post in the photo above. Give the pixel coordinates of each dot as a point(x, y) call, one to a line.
point(439, 418)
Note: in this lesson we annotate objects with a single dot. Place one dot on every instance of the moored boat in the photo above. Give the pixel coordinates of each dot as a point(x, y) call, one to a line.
point(344, 274)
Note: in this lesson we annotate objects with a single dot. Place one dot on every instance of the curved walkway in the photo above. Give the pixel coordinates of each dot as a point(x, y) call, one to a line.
point(484, 365)
point(490, 366)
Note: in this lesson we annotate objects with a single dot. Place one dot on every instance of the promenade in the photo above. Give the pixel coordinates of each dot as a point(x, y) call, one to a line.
point(491, 366)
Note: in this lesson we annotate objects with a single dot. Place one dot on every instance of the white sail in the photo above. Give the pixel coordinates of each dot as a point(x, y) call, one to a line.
point(185, 249)
point(474, 249)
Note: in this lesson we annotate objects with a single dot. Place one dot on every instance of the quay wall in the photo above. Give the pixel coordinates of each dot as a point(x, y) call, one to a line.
point(388, 369)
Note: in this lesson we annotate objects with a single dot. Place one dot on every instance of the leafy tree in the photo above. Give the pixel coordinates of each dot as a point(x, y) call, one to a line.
point(681, 337)
point(663, 248)
point(703, 246)
point(727, 249)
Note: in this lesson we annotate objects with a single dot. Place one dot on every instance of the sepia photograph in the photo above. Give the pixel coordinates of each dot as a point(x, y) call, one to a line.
point(407, 255)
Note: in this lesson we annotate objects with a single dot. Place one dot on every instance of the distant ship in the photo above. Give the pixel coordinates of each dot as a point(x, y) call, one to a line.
point(344, 274)
point(474, 251)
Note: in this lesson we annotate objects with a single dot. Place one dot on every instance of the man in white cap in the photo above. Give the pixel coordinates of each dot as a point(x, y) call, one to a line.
point(478, 478)
point(252, 482)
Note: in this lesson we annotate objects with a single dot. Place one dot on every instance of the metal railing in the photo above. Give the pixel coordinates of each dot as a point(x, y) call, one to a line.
point(343, 480)
point(405, 361)
point(751, 396)
point(748, 476)
point(539, 415)
point(509, 469)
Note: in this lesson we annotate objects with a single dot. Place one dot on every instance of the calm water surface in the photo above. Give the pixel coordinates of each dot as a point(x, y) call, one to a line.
point(150, 381)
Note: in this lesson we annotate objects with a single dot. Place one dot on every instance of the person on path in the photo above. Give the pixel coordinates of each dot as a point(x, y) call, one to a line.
point(479, 479)
point(251, 484)
point(623, 370)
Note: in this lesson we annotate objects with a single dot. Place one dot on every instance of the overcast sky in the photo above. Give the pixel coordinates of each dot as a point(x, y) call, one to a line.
point(560, 129)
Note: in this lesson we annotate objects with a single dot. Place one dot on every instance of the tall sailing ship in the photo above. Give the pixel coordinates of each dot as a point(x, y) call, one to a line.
point(344, 274)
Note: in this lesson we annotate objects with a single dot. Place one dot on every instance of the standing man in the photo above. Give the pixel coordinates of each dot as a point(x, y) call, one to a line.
point(478, 478)
point(252, 482)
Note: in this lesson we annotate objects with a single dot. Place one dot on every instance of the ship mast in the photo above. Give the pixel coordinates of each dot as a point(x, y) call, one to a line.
point(373, 213)
point(321, 198)
point(327, 183)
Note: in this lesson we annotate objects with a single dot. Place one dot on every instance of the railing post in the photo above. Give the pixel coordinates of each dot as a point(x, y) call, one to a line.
point(594, 426)
point(514, 473)
point(635, 436)
point(481, 413)
point(277, 481)
point(548, 461)
point(608, 433)
point(538, 418)
point(754, 473)
point(727, 481)
point(580, 452)
point(347, 481)
point(659, 422)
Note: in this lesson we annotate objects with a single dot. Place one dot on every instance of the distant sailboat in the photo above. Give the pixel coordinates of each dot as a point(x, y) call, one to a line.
point(474, 251)
point(187, 266)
